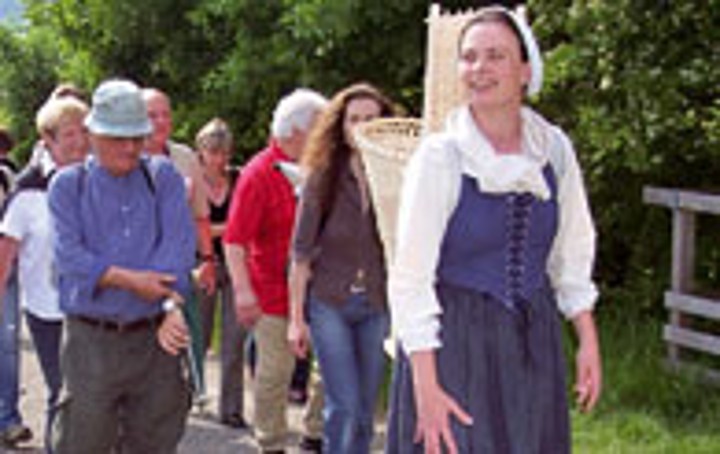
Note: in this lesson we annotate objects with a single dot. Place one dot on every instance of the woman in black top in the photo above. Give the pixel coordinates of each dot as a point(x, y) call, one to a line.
point(214, 143)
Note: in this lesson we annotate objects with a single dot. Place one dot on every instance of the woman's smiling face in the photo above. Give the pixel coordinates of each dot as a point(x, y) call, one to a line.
point(359, 110)
point(491, 66)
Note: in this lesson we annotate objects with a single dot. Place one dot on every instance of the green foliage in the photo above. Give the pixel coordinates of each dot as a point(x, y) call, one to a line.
point(235, 58)
point(26, 78)
point(637, 84)
point(154, 43)
point(644, 408)
point(128, 38)
point(318, 43)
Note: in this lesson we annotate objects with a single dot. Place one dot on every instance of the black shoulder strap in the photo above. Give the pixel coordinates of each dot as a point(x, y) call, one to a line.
point(4, 181)
point(144, 167)
point(31, 178)
point(7, 174)
point(9, 163)
point(82, 175)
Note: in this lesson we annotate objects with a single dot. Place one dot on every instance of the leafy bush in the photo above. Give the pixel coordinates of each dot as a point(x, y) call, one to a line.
point(636, 83)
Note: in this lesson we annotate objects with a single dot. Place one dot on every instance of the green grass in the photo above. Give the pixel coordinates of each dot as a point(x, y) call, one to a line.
point(631, 432)
point(644, 408)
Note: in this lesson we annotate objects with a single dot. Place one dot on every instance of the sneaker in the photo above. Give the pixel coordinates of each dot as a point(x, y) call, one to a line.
point(235, 421)
point(200, 400)
point(310, 444)
point(15, 434)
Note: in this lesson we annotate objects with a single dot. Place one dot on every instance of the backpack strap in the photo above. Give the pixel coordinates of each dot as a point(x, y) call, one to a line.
point(144, 168)
point(148, 174)
point(7, 179)
point(31, 178)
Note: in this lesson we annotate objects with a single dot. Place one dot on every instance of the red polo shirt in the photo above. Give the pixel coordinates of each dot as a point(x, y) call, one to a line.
point(261, 217)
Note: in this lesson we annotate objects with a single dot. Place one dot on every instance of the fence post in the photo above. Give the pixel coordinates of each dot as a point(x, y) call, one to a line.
point(683, 267)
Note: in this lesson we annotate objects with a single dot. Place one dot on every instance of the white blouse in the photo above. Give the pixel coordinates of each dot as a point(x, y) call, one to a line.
point(431, 191)
point(27, 220)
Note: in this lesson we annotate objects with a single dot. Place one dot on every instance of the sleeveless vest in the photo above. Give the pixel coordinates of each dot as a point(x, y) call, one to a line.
point(499, 243)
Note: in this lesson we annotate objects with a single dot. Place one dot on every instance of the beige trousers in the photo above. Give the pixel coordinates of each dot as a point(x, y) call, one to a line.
point(273, 374)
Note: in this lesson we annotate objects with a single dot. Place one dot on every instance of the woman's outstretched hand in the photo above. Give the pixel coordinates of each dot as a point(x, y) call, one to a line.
point(435, 407)
point(588, 369)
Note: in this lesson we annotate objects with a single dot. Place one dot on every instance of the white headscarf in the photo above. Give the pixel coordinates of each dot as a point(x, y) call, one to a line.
point(529, 43)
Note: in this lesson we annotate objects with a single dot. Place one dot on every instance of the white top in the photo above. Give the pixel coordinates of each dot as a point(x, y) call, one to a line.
point(187, 164)
point(430, 194)
point(27, 220)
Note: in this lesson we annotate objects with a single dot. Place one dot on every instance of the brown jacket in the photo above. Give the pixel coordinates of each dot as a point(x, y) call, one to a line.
point(344, 250)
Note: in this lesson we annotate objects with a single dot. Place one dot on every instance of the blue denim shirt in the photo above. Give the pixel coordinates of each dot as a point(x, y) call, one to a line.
point(139, 221)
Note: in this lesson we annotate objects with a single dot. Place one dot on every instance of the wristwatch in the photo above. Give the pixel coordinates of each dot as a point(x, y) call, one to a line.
point(169, 305)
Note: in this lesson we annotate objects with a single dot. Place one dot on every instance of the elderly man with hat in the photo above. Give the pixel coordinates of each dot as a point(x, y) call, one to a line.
point(125, 245)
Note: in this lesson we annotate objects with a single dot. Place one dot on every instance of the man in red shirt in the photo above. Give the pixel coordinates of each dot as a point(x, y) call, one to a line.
point(257, 242)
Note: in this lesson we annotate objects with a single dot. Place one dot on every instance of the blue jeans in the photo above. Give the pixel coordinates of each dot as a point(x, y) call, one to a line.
point(9, 356)
point(46, 335)
point(348, 342)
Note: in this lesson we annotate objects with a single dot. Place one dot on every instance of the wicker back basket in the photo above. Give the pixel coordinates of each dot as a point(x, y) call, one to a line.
point(386, 145)
point(442, 88)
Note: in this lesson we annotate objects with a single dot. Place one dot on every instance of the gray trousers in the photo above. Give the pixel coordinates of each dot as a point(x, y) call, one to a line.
point(232, 343)
point(121, 393)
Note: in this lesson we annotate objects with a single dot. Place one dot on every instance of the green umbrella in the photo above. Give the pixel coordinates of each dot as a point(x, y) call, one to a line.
point(195, 353)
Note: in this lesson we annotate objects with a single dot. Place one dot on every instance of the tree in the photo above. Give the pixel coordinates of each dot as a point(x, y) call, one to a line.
point(637, 84)
point(26, 78)
point(234, 59)
point(321, 44)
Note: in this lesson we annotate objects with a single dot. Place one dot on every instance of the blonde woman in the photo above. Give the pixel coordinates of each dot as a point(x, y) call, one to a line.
point(27, 234)
point(214, 144)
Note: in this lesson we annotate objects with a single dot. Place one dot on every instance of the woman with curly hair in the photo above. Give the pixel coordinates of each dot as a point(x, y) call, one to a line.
point(337, 272)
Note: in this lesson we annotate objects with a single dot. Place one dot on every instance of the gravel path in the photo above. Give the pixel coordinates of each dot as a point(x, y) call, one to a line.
point(203, 435)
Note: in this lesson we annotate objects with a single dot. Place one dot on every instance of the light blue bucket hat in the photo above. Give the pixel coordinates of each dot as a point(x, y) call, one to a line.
point(118, 110)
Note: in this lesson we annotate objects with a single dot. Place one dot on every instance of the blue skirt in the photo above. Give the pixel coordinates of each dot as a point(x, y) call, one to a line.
point(503, 366)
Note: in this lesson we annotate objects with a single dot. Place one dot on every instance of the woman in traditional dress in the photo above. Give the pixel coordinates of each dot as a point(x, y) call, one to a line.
point(494, 236)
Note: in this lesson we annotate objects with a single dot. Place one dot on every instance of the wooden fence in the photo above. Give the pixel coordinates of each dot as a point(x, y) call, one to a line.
point(680, 300)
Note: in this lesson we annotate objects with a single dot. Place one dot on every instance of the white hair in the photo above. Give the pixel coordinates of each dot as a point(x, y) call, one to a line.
point(296, 112)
